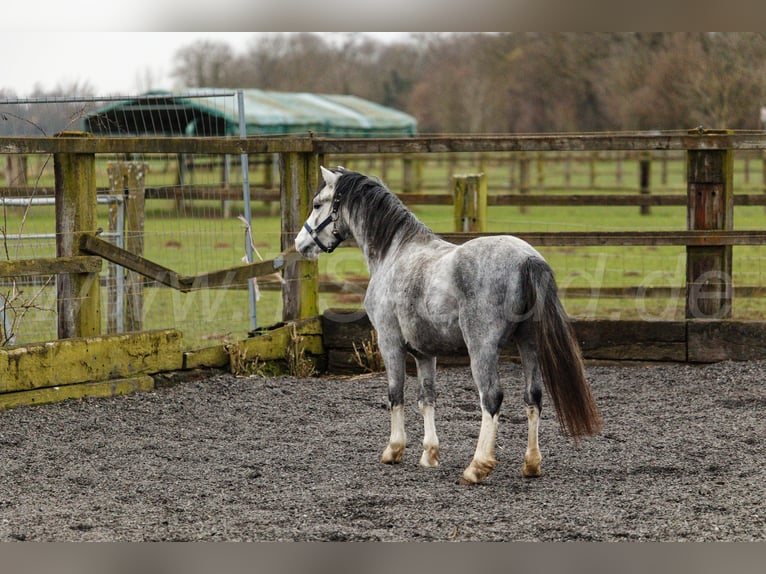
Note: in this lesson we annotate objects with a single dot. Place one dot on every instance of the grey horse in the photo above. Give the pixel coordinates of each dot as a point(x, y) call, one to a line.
point(427, 296)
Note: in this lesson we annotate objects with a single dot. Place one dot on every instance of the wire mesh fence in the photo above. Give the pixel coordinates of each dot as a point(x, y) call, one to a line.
point(193, 218)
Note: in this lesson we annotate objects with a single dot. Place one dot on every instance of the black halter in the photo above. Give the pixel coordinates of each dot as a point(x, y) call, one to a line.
point(338, 238)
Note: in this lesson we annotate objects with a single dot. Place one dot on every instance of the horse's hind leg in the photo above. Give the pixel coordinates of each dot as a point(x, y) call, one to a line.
point(484, 370)
point(533, 393)
point(426, 402)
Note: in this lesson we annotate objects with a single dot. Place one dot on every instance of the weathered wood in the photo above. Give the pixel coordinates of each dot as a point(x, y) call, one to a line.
point(270, 345)
point(188, 192)
point(724, 340)
point(670, 141)
point(223, 278)
point(50, 266)
point(634, 340)
point(594, 239)
point(240, 275)
point(79, 360)
point(341, 328)
point(99, 389)
point(96, 246)
point(134, 176)
point(710, 192)
point(599, 339)
point(78, 295)
point(164, 145)
point(470, 202)
point(644, 176)
point(299, 173)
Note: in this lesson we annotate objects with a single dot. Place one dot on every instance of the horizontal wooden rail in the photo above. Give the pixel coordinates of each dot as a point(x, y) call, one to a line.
point(663, 141)
point(50, 266)
point(623, 238)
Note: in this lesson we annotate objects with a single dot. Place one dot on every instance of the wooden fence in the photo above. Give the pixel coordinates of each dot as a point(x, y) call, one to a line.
point(709, 197)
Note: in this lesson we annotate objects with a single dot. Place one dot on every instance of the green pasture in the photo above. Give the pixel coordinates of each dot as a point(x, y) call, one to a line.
point(195, 238)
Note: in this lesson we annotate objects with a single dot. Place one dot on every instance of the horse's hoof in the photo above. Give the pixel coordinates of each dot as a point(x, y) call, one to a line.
point(531, 466)
point(392, 455)
point(430, 457)
point(530, 471)
point(477, 471)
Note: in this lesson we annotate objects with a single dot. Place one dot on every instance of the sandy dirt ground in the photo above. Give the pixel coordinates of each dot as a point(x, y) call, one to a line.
point(682, 457)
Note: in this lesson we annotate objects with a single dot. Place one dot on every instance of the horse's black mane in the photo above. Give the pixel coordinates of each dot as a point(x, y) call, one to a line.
point(385, 216)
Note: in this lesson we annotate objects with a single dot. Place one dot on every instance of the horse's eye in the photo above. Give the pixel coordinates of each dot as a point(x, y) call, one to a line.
point(317, 205)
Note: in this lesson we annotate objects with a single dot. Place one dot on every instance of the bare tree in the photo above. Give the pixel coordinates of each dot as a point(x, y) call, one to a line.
point(205, 63)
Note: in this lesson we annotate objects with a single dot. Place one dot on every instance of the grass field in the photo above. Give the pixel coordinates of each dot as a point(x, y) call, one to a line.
point(199, 239)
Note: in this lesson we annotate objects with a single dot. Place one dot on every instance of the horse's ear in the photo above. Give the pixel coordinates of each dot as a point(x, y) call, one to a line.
point(329, 177)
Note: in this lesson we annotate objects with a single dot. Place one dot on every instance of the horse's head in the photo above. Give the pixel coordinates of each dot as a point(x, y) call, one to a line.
point(320, 232)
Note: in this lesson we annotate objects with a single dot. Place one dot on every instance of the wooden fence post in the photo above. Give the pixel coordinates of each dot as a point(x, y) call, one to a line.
point(128, 179)
point(412, 173)
point(645, 173)
point(300, 292)
point(470, 203)
point(524, 183)
point(710, 194)
point(78, 295)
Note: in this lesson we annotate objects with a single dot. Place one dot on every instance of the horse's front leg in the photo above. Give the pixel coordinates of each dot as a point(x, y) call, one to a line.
point(426, 403)
point(394, 360)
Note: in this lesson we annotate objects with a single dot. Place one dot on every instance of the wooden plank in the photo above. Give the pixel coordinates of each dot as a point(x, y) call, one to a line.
point(724, 340)
point(169, 145)
point(97, 246)
point(50, 266)
point(222, 278)
point(187, 192)
point(668, 141)
point(78, 360)
point(341, 328)
point(632, 340)
point(567, 199)
point(638, 238)
point(99, 389)
point(268, 345)
point(239, 275)
point(599, 339)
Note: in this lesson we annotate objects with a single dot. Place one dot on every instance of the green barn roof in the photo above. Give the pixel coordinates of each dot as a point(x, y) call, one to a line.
point(206, 112)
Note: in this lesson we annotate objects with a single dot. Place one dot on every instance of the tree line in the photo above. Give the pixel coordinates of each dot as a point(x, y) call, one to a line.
point(510, 82)
point(484, 82)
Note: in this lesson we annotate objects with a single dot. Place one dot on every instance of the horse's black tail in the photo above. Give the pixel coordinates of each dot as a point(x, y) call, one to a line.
point(559, 355)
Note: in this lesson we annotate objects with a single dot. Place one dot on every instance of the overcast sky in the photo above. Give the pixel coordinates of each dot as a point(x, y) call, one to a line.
point(109, 62)
point(117, 46)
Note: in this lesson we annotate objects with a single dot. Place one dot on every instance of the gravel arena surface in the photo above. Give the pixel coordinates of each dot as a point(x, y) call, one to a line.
point(682, 457)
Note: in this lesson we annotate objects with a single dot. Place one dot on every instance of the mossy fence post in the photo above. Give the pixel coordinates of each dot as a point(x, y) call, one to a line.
point(300, 292)
point(710, 195)
point(78, 295)
point(470, 201)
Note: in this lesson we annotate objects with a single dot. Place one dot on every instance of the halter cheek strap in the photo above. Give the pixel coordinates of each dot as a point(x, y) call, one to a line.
point(314, 233)
point(337, 237)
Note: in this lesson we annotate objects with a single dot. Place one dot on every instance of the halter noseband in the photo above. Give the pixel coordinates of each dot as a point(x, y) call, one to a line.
point(332, 218)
